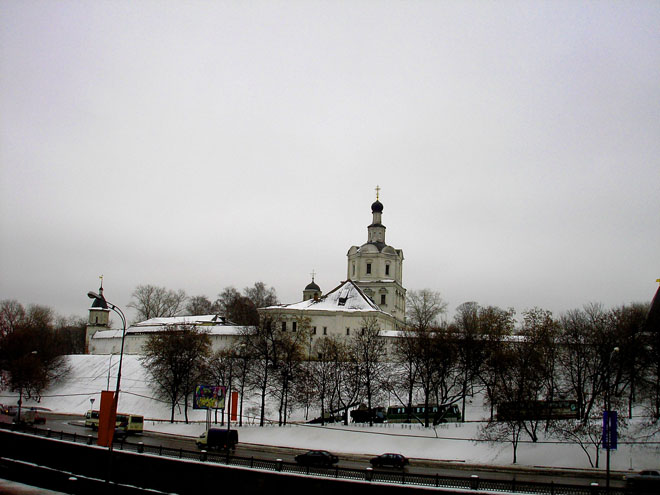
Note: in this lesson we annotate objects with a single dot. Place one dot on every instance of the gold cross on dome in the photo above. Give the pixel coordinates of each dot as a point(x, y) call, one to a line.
point(377, 192)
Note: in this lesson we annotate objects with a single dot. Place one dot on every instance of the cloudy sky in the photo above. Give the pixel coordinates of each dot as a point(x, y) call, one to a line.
point(204, 144)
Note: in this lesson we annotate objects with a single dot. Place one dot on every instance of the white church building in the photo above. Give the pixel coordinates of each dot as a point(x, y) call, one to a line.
point(372, 292)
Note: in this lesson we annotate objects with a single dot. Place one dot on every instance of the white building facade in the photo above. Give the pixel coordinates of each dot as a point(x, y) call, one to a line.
point(103, 340)
point(373, 293)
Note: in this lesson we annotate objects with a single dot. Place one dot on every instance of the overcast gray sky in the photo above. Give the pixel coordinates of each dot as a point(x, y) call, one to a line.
point(202, 144)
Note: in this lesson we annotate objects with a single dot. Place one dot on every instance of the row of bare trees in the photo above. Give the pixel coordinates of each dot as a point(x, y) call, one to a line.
point(590, 355)
point(33, 343)
point(150, 301)
point(584, 355)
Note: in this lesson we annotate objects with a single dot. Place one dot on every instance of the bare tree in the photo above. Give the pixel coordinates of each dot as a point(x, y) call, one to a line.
point(470, 348)
point(260, 295)
point(199, 305)
point(628, 322)
point(424, 309)
point(31, 352)
point(176, 360)
point(591, 372)
point(70, 333)
point(242, 308)
point(225, 367)
point(406, 358)
point(519, 386)
point(369, 350)
point(289, 355)
point(542, 330)
point(260, 346)
point(323, 370)
point(12, 314)
point(347, 380)
point(155, 302)
point(226, 299)
point(497, 326)
point(448, 387)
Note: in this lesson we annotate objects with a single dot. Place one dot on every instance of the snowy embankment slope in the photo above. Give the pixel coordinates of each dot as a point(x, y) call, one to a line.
point(455, 442)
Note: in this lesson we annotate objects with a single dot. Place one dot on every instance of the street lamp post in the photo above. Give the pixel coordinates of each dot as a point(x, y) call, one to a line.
point(104, 303)
point(607, 425)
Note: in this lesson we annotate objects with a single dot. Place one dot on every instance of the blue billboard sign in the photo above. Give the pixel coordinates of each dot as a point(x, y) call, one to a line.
point(609, 430)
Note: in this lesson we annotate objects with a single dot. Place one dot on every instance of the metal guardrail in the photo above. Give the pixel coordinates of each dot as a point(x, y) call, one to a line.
point(402, 477)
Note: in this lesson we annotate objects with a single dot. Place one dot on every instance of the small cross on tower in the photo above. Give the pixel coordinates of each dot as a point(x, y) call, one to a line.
point(377, 192)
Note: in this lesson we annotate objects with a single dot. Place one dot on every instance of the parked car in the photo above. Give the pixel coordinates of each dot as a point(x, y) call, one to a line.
point(646, 482)
point(317, 458)
point(218, 439)
point(389, 459)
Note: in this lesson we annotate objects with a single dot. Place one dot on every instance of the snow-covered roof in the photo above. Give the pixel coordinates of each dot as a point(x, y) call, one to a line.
point(185, 320)
point(107, 334)
point(345, 297)
point(211, 324)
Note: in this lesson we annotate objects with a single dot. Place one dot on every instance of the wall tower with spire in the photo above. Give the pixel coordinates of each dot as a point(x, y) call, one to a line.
point(99, 317)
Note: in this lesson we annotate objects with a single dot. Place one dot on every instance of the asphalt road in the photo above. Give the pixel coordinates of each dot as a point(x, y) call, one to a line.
point(75, 424)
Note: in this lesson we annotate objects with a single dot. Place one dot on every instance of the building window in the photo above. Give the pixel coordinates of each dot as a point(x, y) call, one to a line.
point(348, 331)
point(387, 269)
point(368, 268)
point(354, 269)
point(284, 326)
point(313, 330)
point(295, 325)
point(382, 298)
point(325, 330)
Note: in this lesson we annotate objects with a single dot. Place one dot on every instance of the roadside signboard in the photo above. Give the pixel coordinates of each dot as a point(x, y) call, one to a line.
point(209, 397)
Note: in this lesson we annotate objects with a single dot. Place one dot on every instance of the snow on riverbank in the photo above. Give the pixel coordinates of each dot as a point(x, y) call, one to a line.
point(455, 442)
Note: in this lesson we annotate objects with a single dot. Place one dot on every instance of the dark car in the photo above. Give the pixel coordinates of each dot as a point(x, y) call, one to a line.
point(645, 482)
point(394, 460)
point(119, 435)
point(317, 458)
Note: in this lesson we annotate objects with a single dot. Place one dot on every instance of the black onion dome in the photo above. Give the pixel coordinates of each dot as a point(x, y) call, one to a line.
point(312, 286)
point(377, 207)
point(99, 303)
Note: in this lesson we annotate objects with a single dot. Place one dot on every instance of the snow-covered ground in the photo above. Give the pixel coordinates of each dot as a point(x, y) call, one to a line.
point(456, 442)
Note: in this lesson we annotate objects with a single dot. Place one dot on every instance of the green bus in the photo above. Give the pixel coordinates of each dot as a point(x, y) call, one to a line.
point(438, 413)
point(532, 410)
